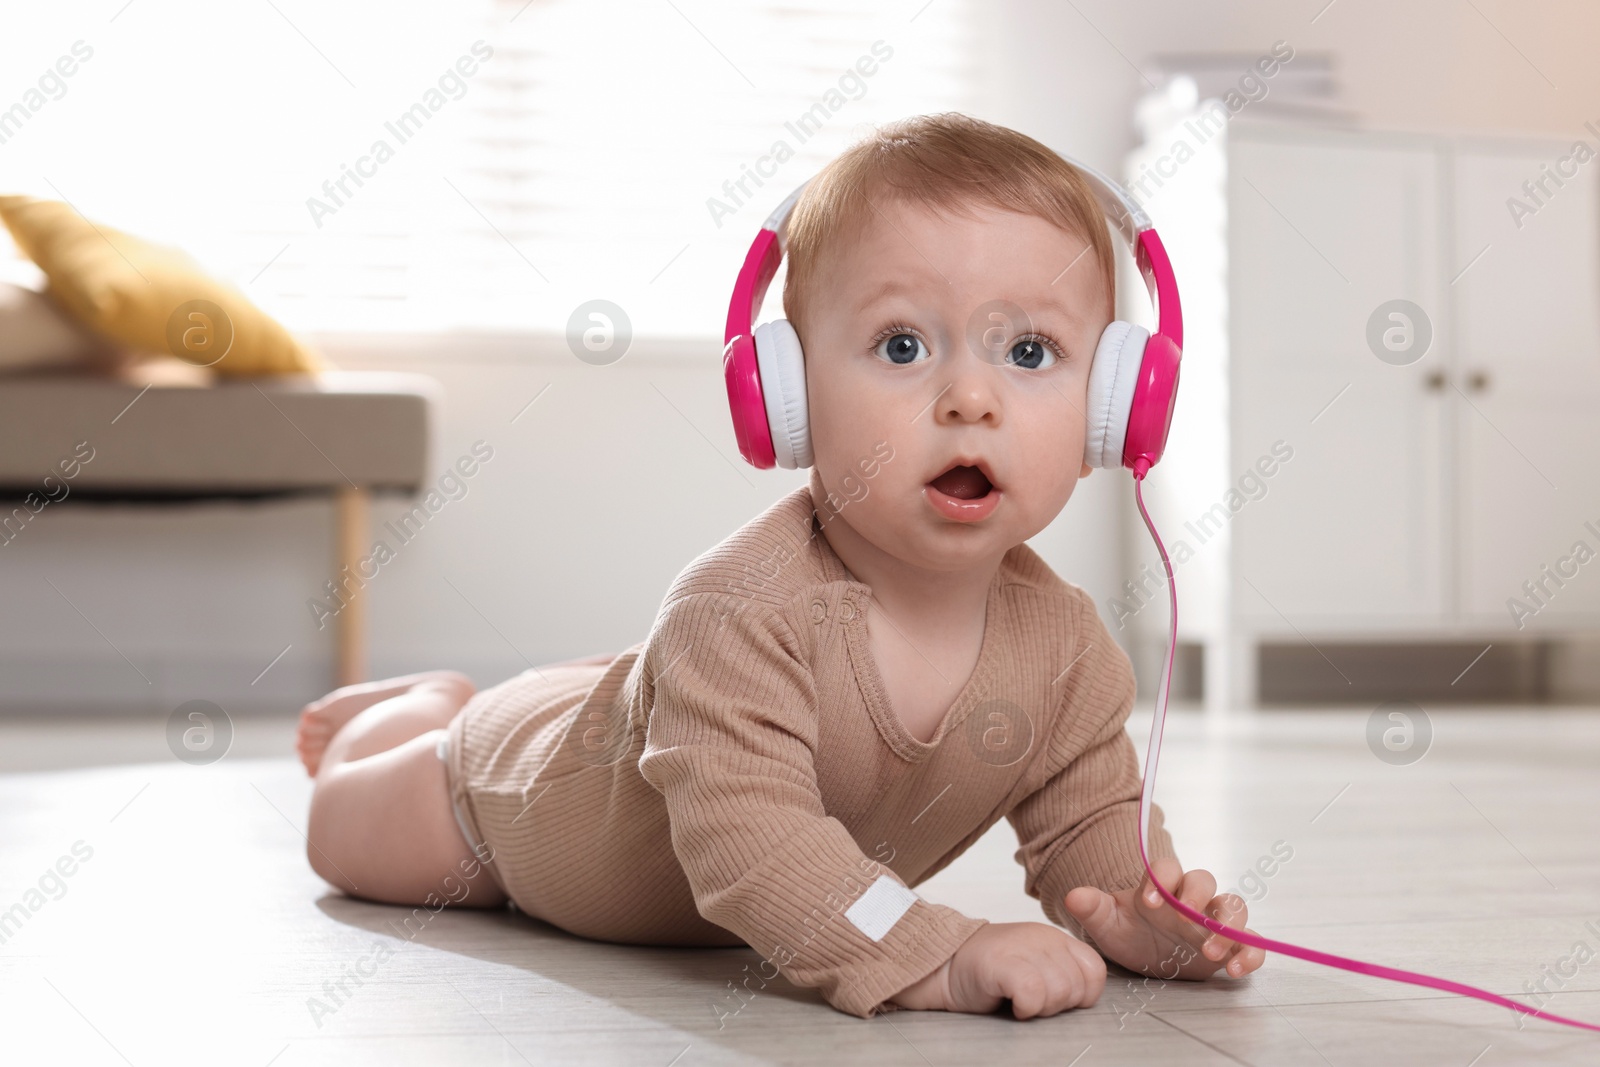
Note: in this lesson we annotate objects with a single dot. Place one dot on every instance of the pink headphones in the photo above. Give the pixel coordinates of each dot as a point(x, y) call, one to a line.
point(1133, 381)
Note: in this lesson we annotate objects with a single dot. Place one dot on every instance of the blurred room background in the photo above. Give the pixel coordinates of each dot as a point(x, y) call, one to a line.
point(1412, 490)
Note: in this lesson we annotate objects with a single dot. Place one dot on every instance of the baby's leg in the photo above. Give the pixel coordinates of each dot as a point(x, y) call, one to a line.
point(382, 826)
point(323, 718)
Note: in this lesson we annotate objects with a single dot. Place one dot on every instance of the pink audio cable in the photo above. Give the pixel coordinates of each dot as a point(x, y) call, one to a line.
point(1327, 959)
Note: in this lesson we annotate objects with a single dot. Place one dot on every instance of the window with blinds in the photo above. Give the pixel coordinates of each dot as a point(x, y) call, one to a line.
point(485, 165)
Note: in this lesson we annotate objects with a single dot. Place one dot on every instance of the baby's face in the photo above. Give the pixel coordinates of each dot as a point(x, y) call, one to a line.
point(914, 338)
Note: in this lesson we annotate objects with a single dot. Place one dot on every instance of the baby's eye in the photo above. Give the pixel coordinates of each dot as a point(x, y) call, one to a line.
point(1030, 353)
point(901, 348)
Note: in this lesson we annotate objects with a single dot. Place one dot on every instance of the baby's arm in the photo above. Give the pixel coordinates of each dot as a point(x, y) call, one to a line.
point(729, 744)
point(1079, 833)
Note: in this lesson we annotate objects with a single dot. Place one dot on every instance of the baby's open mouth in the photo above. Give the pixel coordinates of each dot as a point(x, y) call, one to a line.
point(963, 483)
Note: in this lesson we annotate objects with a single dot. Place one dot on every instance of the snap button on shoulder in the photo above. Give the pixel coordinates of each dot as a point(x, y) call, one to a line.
point(819, 611)
point(847, 611)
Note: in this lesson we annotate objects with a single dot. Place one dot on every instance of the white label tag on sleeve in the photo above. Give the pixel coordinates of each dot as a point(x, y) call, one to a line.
point(877, 910)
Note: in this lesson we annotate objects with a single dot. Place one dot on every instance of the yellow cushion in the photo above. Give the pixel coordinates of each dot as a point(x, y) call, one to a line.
point(148, 297)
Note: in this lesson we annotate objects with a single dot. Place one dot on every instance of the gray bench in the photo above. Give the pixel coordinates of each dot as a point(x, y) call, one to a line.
point(344, 434)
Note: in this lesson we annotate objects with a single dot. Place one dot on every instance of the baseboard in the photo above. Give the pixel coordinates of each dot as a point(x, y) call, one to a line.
point(1528, 671)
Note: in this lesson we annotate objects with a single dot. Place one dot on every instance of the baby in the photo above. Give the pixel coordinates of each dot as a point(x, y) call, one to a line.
point(841, 697)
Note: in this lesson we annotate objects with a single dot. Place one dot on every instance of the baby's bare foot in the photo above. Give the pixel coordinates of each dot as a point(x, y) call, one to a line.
point(325, 717)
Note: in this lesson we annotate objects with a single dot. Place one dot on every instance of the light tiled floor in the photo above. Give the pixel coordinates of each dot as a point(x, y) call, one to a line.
point(195, 932)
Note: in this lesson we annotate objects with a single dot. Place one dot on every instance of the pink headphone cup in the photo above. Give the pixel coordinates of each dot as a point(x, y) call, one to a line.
point(1154, 397)
point(743, 377)
point(740, 368)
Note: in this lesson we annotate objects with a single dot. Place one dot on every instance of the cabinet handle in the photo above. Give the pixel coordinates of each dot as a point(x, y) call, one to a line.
point(1478, 381)
point(1435, 381)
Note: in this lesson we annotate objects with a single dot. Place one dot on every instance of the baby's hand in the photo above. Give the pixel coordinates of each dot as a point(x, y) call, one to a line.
point(1141, 931)
point(1042, 969)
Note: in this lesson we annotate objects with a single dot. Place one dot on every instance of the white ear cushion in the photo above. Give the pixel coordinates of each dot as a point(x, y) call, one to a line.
point(783, 388)
point(1112, 379)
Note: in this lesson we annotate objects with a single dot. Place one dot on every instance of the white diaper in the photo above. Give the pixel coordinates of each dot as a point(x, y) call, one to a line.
point(480, 849)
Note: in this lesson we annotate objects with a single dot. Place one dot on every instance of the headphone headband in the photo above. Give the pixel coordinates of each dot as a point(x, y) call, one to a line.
point(1119, 208)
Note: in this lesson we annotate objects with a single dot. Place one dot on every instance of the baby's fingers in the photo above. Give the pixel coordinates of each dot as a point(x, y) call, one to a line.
point(1230, 910)
point(1245, 958)
point(1171, 876)
point(1197, 889)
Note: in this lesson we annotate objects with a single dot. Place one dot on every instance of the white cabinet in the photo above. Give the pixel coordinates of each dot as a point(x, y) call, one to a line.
point(1322, 232)
point(1421, 496)
point(1526, 385)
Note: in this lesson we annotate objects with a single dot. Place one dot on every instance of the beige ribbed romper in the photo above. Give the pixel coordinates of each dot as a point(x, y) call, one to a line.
point(739, 777)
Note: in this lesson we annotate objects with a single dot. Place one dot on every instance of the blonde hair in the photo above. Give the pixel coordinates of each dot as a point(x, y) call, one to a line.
point(947, 161)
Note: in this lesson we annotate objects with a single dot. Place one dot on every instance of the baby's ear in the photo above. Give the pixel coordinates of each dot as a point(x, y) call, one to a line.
point(1084, 473)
